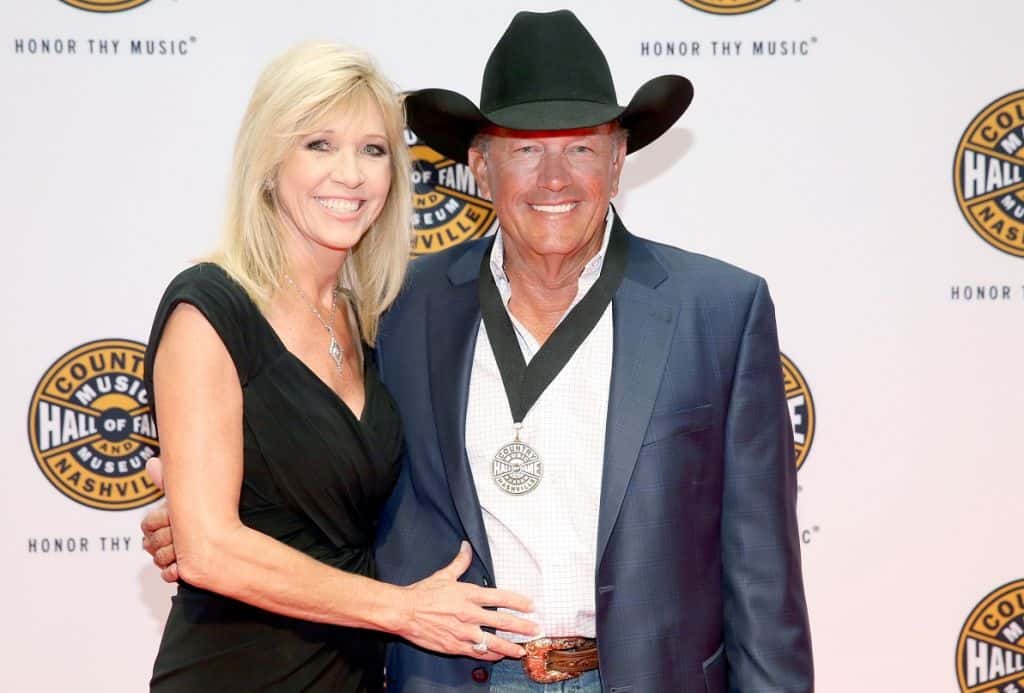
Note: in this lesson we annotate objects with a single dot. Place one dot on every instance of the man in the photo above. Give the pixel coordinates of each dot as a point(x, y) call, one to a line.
point(602, 417)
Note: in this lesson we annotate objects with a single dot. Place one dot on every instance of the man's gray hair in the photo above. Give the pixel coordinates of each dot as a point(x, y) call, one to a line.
point(481, 140)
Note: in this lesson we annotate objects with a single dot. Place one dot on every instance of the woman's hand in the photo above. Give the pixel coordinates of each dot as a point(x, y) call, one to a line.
point(445, 615)
point(156, 529)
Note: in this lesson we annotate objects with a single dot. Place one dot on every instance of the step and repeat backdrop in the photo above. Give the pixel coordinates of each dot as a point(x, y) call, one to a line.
point(867, 158)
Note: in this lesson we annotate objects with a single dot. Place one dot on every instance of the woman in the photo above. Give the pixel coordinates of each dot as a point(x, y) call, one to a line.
point(279, 443)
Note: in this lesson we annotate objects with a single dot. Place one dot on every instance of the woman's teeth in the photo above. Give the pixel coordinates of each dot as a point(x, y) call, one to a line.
point(338, 205)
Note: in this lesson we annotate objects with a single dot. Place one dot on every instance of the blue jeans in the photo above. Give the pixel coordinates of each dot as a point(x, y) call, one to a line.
point(507, 676)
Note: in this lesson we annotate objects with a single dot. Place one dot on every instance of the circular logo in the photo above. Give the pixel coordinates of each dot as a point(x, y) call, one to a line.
point(517, 468)
point(801, 409)
point(105, 5)
point(447, 206)
point(990, 651)
point(728, 6)
point(988, 174)
point(91, 426)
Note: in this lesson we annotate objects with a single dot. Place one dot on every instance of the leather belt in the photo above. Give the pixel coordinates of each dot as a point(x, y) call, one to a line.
point(550, 660)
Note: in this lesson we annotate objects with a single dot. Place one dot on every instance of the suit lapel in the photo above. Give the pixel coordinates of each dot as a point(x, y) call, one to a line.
point(453, 320)
point(643, 327)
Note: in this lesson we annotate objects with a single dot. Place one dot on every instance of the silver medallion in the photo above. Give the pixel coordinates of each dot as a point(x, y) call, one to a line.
point(517, 468)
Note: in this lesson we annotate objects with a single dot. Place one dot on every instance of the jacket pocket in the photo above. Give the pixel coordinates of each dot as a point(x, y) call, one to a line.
point(668, 424)
point(715, 677)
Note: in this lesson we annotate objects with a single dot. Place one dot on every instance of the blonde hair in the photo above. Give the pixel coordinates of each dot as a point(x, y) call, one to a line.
point(295, 93)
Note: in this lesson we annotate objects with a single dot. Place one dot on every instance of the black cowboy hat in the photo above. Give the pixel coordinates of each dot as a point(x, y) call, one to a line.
point(546, 73)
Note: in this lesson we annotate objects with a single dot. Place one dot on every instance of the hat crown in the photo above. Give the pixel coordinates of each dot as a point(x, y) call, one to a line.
point(545, 56)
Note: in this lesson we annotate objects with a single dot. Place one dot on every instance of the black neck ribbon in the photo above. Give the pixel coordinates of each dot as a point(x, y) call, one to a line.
point(524, 383)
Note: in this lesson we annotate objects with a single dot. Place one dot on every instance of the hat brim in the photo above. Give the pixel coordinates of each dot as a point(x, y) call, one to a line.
point(447, 121)
point(655, 107)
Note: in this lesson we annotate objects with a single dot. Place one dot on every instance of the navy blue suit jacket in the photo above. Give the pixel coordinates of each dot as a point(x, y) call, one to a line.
point(697, 583)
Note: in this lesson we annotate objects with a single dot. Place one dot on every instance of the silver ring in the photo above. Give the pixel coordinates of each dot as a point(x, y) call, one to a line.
point(481, 647)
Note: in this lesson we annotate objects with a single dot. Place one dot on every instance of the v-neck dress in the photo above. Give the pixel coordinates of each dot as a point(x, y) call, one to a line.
point(314, 478)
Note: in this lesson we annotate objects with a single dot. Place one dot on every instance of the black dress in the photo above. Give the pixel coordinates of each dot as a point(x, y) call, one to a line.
point(314, 478)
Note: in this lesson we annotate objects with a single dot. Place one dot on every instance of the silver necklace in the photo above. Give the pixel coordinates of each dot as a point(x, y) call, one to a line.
point(335, 351)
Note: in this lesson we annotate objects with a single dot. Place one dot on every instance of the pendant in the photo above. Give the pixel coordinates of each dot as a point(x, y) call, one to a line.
point(336, 353)
point(517, 468)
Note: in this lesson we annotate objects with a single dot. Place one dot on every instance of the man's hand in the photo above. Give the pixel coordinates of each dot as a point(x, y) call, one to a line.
point(156, 530)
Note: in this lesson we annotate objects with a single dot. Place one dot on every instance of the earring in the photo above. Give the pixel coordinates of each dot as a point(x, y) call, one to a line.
point(268, 184)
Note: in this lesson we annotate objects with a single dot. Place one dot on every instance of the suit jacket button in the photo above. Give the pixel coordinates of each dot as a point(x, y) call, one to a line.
point(480, 675)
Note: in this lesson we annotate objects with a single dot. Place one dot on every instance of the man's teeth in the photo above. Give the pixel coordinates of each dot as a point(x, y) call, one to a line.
point(338, 205)
point(555, 209)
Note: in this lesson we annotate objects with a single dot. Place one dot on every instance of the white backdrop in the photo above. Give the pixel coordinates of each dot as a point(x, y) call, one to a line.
point(829, 172)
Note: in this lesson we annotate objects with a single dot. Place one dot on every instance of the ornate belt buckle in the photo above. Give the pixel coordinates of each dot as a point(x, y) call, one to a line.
point(535, 663)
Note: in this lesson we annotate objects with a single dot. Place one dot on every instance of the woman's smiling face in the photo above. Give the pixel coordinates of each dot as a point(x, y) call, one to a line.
point(333, 185)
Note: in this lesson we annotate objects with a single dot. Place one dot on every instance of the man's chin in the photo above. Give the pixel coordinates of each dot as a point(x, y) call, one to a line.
point(558, 247)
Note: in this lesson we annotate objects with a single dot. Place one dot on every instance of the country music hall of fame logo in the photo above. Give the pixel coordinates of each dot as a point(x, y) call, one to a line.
point(91, 426)
point(990, 650)
point(988, 174)
point(801, 409)
point(448, 208)
point(728, 6)
point(105, 5)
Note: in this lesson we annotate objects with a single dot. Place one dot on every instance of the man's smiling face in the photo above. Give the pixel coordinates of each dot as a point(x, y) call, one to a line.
point(551, 189)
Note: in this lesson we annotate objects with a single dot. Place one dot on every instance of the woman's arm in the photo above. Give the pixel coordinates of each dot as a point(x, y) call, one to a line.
point(199, 401)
